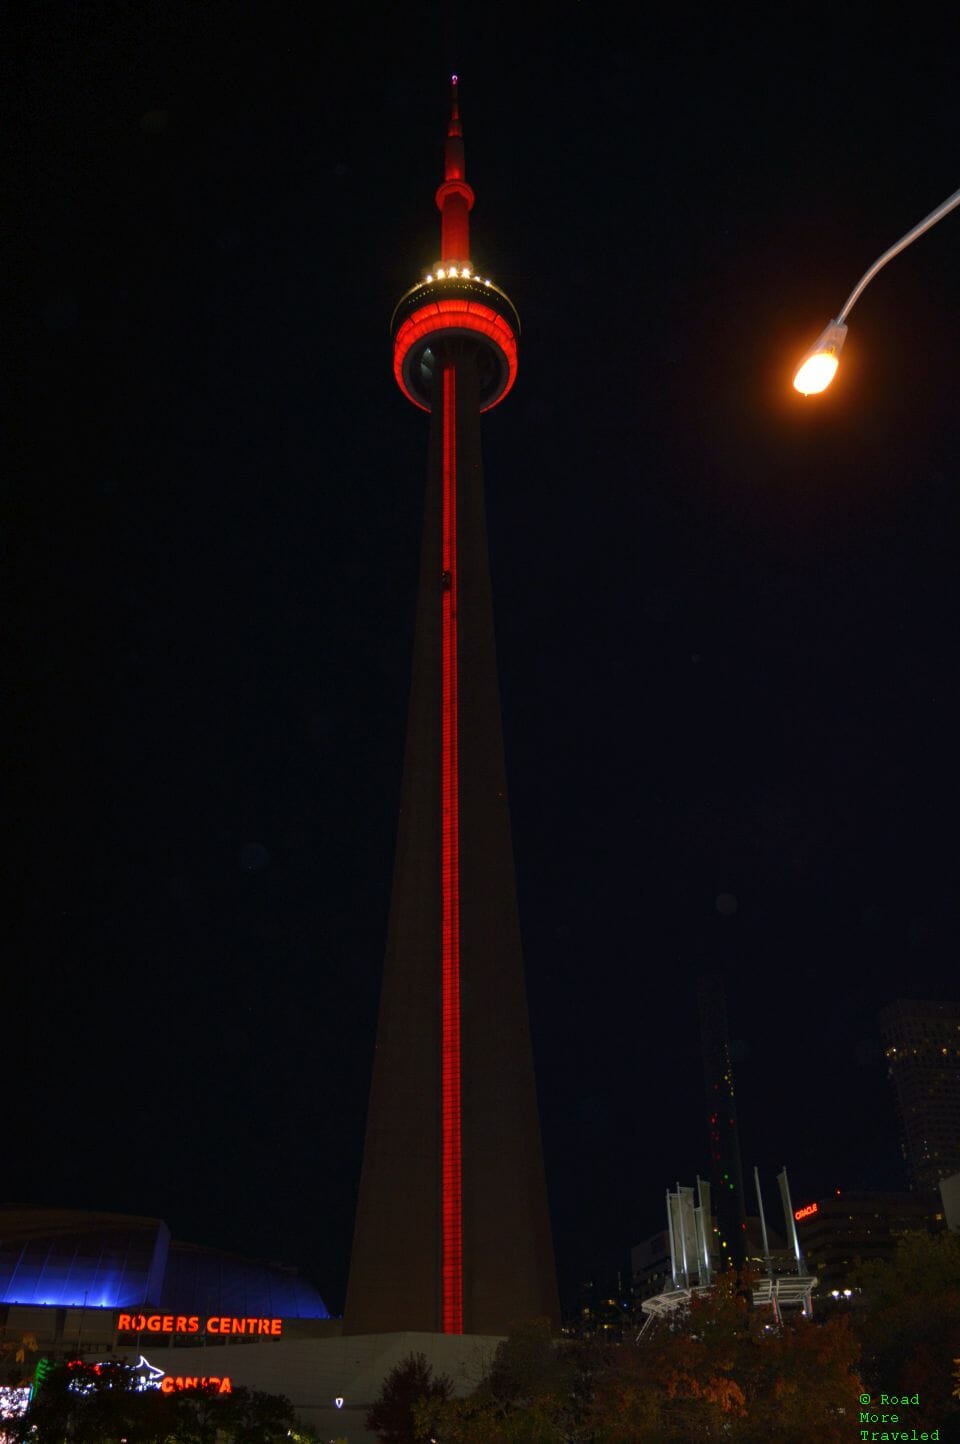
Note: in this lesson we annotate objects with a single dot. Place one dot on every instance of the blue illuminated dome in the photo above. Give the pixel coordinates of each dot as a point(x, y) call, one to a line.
point(236, 1285)
point(68, 1259)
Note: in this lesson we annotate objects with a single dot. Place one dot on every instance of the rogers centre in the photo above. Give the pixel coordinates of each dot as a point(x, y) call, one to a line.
point(98, 1287)
point(190, 1324)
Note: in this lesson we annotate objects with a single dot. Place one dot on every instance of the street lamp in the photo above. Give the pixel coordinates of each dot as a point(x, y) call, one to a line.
point(818, 366)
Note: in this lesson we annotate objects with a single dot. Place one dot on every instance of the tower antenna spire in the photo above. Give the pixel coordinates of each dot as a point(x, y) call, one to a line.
point(455, 197)
point(454, 105)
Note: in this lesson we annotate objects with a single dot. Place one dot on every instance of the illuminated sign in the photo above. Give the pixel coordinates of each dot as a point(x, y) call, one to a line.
point(177, 1383)
point(806, 1211)
point(149, 1377)
point(191, 1324)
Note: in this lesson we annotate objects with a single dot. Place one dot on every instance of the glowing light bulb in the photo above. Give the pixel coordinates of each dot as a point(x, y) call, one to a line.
point(442, 273)
point(816, 373)
point(429, 278)
point(465, 271)
point(819, 365)
point(486, 283)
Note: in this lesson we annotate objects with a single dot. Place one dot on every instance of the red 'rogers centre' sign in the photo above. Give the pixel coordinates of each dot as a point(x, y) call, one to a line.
point(191, 1324)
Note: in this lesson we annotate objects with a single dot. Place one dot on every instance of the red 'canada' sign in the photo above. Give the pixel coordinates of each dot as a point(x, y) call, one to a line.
point(806, 1211)
point(190, 1324)
point(175, 1383)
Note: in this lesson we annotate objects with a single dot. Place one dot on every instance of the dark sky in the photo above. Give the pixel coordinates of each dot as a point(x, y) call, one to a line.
point(726, 617)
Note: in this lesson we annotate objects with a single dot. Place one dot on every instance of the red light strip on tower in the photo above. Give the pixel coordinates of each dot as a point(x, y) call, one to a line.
point(456, 315)
point(452, 1182)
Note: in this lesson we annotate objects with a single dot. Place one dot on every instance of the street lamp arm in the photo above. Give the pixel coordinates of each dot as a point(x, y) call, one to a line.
point(901, 245)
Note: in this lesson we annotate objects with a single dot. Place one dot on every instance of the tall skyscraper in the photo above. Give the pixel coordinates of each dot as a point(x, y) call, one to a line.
point(452, 1230)
point(922, 1048)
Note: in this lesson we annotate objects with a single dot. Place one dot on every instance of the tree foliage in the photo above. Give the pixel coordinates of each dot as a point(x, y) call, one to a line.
point(16, 1362)
point(909, 1324)
point(105, 1404)
point(720, 1371)
point(408, 1387)
point(723, 1370)
point(532, 1394)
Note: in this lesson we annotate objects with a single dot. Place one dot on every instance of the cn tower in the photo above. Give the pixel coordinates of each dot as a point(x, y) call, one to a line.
point(452, 1230)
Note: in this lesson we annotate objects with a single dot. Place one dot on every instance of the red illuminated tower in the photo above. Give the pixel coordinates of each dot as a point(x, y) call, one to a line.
point(452, 1231)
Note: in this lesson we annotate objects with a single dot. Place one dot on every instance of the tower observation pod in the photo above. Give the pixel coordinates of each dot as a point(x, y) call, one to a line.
point(452, 1230)
point(453, 302)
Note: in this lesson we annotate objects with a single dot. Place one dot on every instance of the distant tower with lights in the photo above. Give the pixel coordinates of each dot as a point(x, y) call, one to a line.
point(452, 1230)
point(726, 1172)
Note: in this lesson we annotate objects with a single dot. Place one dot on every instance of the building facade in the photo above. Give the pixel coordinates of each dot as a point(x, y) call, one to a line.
point(921, 1043)
point(76, 1281)
point(105, 1287)
point(651, 1266)
point(839, 1232)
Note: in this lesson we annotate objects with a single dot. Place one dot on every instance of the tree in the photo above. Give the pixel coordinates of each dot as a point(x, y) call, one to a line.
point(535, 1392)
point(250, 1416)
point(409, 1384)
point(683, 1382)
point(805, 1382)
point(909, 1324)
point(723, 1370)
point(16, 1366)
point(86, 1403)
point(106, 1404)
point(719, 1370)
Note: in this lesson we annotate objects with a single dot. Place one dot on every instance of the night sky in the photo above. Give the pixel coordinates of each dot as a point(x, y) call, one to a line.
point(726, 616)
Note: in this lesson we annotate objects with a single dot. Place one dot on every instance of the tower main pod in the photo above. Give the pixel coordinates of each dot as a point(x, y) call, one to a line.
point(452, 1230)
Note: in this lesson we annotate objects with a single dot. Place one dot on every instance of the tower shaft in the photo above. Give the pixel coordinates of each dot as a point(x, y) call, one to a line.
point(452, 1229)
point(450, 1053)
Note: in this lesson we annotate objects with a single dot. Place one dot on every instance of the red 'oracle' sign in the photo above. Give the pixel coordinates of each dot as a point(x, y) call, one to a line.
point(806, 1211)
point(177, 1383)
point(190, 1324)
